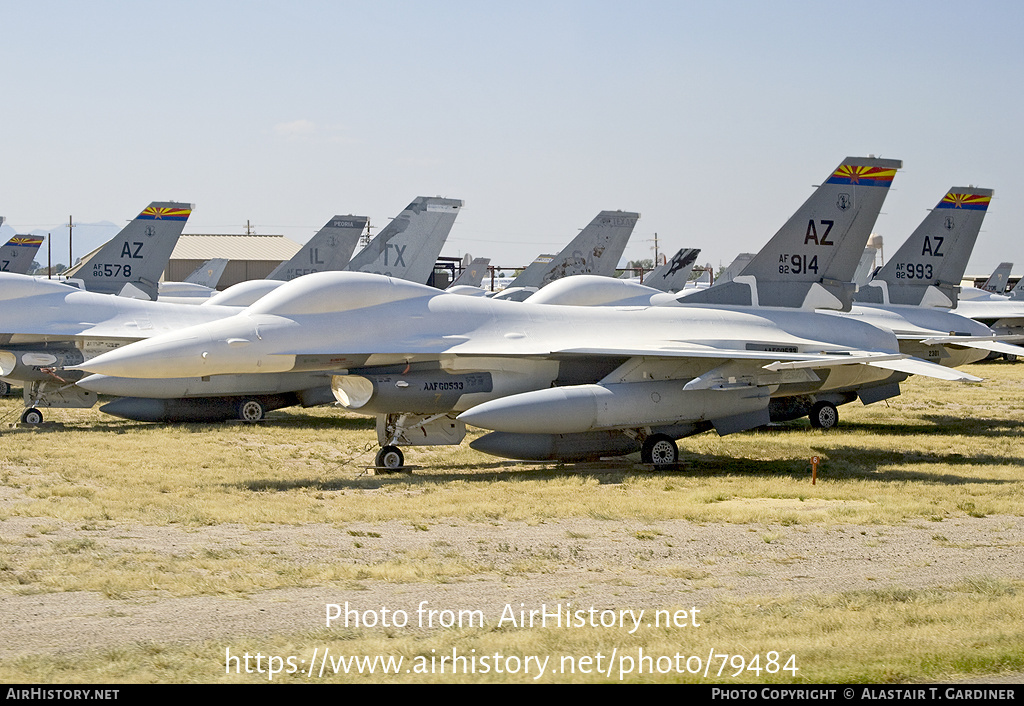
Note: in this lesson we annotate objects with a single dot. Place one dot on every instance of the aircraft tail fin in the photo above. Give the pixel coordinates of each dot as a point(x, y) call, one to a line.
point(209, 273)
point(17, 254)
point(138, 254)
point(999, 278)
point(928, 267)
point(329, 250)
point(674, 274)
point(1018, 290)
point(596, 250)
point(473, 275)
point(408, 246)
point(811, 260)
point(734, 269)
point(865, 267)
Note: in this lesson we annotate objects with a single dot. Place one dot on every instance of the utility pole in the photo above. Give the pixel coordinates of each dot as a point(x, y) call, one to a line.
point(71, 229)
point(364, 240)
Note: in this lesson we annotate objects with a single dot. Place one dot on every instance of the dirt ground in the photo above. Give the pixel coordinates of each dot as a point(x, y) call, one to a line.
point(600, 563)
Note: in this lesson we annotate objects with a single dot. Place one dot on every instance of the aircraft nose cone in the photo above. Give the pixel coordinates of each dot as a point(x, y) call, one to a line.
point(162, 356)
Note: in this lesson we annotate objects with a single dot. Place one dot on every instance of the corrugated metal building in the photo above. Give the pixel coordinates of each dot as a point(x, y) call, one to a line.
point(250, 256)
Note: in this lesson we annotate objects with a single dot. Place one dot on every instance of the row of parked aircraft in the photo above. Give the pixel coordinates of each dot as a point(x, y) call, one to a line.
point(567, 368)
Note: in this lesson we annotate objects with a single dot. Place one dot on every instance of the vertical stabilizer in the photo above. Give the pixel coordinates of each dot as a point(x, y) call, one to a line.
point(209, 273)
point(866, 266)
point(595, 251)
point(928, 267)
point(408, 246)
point(327, 251)
point(1018, 290)
point(18, 253)
point(999, 278)
point(138, 255)
point(674, 274)
point(734, 269)
point(473, 276)
point(810, 262)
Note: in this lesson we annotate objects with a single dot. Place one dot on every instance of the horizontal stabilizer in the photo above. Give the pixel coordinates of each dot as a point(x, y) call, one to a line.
point(993, 344)
point(900, 362)
point(916, 366)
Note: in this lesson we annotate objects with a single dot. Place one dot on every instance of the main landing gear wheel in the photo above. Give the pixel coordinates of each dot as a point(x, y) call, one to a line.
point(661, 451)
point(824, 415)
point(250, 410)
point(390, 457)
point(1010, 357)
point(32, 416)
point(5, 388)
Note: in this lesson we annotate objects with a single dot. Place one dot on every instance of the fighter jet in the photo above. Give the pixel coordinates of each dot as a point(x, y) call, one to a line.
point(1004, 315)
point(128, 264)
point(906, 297)
point(625, 378)
point(928, 272)
point(407, 247)
point(553, 381)
point(912, 295)
point(131, 263)
point(45, 325)
point(17, 254)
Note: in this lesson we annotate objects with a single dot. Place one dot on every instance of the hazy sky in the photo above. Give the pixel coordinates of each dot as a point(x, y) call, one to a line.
point(713, 120)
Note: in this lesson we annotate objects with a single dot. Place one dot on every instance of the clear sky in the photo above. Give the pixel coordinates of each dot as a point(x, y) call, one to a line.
point(713, 120)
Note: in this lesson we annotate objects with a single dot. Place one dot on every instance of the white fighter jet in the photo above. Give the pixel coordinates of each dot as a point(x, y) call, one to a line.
point(47, 326)
point(554, 381)
point(911, 296)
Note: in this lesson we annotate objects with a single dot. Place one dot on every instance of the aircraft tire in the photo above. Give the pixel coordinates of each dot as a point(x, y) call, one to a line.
point(824, 415)
point(1010, 357)
point(32, 416)
point(5, 388)
point(251, 410)
point(390, 457)
point(660, 451)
